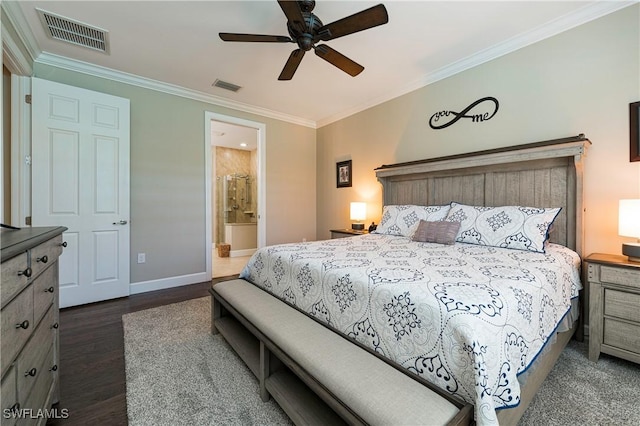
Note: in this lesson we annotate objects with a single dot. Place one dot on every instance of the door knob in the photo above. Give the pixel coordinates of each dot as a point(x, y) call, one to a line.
point(122, 222)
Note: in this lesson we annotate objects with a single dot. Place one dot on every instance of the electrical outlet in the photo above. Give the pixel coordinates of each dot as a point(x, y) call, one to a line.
point(142, 257)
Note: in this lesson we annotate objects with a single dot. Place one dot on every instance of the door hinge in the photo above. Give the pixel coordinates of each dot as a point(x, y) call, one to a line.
point(27, 99)
point(27, 220)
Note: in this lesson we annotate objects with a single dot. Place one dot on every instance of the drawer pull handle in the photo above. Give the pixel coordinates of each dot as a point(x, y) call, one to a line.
point(56, 325)
point(43, 259)
point(54, 368)
point(31, 372)
point(24, 324)
point(64, 244)
point(27, 272)
point(50, 290)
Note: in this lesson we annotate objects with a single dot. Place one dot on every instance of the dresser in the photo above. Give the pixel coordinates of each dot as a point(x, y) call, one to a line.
point(614, 306)
point(29, 352)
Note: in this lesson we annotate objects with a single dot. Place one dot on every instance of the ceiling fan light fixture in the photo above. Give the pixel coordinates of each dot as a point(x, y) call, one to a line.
point(226, 85)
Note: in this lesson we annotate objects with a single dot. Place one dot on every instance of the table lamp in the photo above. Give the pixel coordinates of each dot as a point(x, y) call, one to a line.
point(629, 226)
point(359, 214)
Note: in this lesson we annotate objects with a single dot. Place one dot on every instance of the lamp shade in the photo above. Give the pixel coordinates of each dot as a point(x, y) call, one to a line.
point(629, 218)
point(358, 211)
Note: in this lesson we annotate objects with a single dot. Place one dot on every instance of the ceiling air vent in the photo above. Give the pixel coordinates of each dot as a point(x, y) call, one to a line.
point(226, 85)
point(75, 32)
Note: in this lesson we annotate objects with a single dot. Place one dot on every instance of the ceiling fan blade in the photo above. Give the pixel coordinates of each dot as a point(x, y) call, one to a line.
point(339, 60)
point(293, 13)
point(292, 65)
point(368, 18)
point(255, 38)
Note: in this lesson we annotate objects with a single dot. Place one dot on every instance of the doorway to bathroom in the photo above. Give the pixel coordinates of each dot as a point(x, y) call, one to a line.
point(236, 196)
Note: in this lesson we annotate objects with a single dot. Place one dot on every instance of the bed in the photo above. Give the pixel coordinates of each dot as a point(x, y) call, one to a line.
point(393, 298)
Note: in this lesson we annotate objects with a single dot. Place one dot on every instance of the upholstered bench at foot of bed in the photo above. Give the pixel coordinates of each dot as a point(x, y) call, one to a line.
point(369, 389)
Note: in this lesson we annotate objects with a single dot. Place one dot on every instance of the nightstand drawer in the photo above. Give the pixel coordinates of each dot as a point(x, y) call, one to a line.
point(622, 276)
point(622, 305)
point(622, 335)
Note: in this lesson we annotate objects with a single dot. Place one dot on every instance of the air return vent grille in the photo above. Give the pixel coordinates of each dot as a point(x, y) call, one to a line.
point(226, 85)
point(75, 32)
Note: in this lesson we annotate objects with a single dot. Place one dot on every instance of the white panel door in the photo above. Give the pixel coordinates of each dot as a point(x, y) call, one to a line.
point(80, 179)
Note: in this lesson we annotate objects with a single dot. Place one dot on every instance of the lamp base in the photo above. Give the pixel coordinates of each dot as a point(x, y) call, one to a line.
point(632, 250)
point(357, 226)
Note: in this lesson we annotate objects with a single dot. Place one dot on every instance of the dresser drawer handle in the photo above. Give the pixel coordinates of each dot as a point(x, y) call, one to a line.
point(56, 325)
point(64, 244)
point(49, 290)
point(31, 372)
point(24, 324)
point(43, 259)
point(27, 272)
point(54, 368)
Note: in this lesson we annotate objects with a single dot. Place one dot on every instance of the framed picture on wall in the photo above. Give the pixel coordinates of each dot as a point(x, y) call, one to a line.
point(343, 174)
point(634, 131)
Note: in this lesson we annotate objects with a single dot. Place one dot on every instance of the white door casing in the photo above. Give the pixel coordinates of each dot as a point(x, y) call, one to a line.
point(80, 179)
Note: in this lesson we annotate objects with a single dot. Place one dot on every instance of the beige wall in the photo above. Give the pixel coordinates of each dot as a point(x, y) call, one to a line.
point(580, 81)
point(168, 176)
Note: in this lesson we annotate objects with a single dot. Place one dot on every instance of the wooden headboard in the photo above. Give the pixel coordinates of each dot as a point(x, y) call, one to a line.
point(541, 174)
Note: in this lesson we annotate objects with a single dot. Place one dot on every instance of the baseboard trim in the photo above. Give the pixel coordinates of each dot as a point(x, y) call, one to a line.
point(238, 253)
point(161, 284)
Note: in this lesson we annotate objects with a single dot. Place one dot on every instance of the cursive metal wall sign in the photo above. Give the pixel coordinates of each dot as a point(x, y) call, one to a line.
point(477, 116)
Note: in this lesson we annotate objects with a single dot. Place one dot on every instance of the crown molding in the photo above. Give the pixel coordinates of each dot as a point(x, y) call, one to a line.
point(12, 56)
point(51, 59)
point(19, 22)
point(581, 16)
point(16, 18)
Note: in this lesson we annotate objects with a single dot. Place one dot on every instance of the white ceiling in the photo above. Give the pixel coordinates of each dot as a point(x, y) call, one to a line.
point(233, 136)
point(177, 42)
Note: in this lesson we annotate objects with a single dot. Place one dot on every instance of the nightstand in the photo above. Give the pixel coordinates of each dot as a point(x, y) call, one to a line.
point(344, 233)
point(614, 306)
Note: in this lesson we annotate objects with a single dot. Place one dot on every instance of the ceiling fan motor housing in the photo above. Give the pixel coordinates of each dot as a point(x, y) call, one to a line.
point(305, 38)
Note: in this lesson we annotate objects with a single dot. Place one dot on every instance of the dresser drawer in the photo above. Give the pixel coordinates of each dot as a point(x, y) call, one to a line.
point(9, 395)
point(32, 361)
point(41, 390)
point(622, 335)
point(623, 276)
point(622, 305)
point(45, 254)
point(17, 326)
point(12, 280)
point(44, 289)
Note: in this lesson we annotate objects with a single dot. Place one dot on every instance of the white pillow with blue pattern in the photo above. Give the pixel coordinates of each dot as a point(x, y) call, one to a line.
point(513, 227)
point(403, 220)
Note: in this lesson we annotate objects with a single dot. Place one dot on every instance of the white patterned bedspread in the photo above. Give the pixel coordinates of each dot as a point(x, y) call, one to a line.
point(468, 318)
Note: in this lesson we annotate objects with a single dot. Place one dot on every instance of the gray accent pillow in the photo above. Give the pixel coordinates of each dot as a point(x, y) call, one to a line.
point(403, 219)
point(437, 232)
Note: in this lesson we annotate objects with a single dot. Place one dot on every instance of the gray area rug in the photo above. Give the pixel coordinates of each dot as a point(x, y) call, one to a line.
point(178, 373)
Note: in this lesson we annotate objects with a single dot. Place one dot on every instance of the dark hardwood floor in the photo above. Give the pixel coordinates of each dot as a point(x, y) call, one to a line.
point(92, 375)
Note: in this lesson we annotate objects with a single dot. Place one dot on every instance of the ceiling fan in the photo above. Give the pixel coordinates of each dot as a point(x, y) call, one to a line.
point(307, 30)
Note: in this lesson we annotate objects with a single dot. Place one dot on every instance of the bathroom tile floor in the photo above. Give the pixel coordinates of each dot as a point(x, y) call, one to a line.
point(225, 266)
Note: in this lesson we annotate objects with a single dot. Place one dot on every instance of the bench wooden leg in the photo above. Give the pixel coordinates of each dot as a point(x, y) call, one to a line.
point(265, 370)
point(216, 312)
